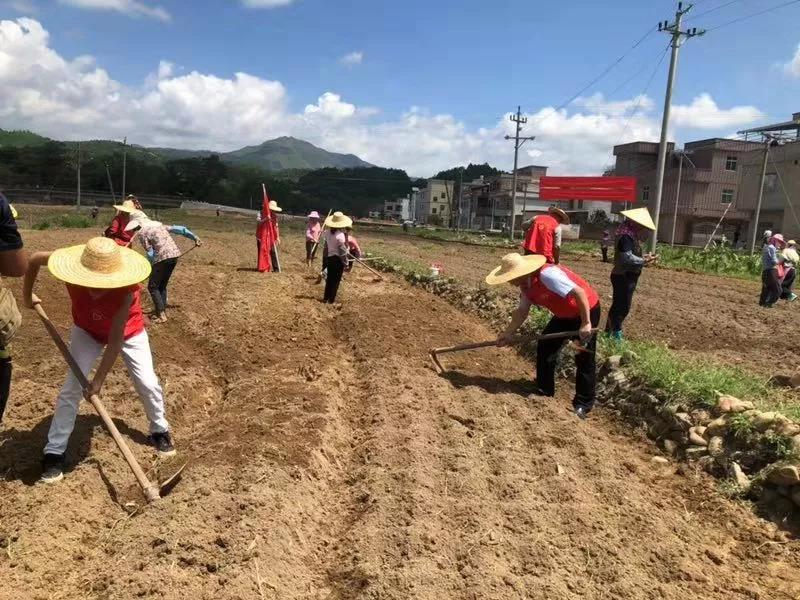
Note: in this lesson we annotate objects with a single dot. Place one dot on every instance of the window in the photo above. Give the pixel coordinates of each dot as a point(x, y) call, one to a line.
point(727, 196)
point(730, 163)
point(435, 198)
point(646, 193)
point(771, 182)
point(433, 210)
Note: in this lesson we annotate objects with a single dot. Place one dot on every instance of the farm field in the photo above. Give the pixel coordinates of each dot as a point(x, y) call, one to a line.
point(328, 460)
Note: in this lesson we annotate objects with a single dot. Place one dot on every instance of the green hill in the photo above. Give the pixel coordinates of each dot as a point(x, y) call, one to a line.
point(21, 138)
point(290, 153)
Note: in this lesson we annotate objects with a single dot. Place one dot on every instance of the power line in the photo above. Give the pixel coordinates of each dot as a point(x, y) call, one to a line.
point(750, 16)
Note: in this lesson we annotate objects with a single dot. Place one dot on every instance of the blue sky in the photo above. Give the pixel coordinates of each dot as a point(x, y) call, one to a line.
point(463, 64)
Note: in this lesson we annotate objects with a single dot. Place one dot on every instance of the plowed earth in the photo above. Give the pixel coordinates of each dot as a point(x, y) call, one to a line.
point(327, 460)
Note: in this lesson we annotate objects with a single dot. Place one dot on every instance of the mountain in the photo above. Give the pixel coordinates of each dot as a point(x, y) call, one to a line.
point(177, 154)
point(21, 138)
point(291, 153)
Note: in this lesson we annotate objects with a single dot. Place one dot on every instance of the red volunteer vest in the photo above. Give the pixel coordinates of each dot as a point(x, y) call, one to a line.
point(564, 308)
point(94, 315)
point(540, 238)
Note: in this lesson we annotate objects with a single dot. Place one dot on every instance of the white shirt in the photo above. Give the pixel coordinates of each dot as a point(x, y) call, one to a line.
point(555, 280)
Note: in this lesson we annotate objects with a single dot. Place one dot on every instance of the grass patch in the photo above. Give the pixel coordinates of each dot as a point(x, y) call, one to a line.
point(64, 221)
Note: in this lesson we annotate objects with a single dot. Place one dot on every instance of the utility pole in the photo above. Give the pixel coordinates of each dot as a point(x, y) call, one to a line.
point(753, 237)
point(78, 202)
point(460, 196)
point(678, 36)
point(683, 156)
point(124, 164)
point(110, 185)
point(520, 121)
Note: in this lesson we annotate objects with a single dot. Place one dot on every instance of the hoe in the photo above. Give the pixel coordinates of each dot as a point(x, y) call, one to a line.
point(151, 491)
point(435, 352)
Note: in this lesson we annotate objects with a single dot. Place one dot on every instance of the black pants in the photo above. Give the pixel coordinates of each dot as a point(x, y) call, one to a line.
point(547, 357)
point(604, 250)
point(770, 287)
point(5, 380)
point(623, 286)
point(788, 283)
point(159, 279)
point(335, 272)
point(273, 259)
point(311, 250)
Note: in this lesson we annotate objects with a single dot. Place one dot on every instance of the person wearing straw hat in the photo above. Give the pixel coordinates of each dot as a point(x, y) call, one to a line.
point(771, 271)
point(102, 280)
point(336, 253)
point(575, 306)
point(275, 234)
point(628, 262)
point(313, 229)
point(790, 259)
point(116, 230)
point(163, 252)
point(543, 235)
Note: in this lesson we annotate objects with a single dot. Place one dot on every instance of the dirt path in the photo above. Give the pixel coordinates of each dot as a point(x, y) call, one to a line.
point(329, 461)
point(702, 316)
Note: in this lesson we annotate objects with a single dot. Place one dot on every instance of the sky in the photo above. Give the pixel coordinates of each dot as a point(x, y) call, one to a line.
point(418, 85)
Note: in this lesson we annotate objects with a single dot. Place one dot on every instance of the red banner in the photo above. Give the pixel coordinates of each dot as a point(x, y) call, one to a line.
point(608, 189)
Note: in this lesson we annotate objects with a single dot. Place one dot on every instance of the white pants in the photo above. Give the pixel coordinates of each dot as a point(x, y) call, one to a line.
point(139, 361)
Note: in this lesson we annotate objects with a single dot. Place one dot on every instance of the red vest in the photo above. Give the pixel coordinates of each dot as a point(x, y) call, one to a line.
point(540, 238)
point(564, 308)
point(94, 315)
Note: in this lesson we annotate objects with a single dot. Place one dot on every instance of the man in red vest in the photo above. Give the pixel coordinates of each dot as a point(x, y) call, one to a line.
point(575, 307)
point(544, 234)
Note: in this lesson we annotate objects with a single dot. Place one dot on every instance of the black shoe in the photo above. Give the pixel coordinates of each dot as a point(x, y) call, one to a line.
point(163, 443)
point(581, 413)
point(52, 468)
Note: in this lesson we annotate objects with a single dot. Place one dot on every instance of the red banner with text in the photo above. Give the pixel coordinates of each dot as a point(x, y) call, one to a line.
point(605, 189)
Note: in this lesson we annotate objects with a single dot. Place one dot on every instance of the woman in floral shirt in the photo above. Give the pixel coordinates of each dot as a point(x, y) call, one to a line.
point(163, 252)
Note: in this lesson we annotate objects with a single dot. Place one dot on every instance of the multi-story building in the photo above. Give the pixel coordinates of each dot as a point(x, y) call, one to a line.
point(490, 199)
point(436, 200)
point(397, 210)
point(710, 187)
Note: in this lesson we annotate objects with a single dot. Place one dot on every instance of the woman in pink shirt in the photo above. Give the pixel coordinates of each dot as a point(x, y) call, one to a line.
point(313, 229)
point(336, 259)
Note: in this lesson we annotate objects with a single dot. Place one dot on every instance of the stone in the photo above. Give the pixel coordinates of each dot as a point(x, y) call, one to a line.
point(613, 362)
point(796, 444)
point(659, 460)
point(732, 404)
point(670, 447)
point(682, 421)
point(695, 452)
point(742, 480)
point(715, 556)
point(763, 421)
point(717, 427)
point(716, 447)
point(784, 475)
point(707, 463)
point(794, 380)
point(787, 428)
point(701, 416)
point(696, 436)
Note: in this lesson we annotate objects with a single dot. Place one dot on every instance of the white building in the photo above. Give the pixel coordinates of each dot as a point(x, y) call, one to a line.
point(398, 209)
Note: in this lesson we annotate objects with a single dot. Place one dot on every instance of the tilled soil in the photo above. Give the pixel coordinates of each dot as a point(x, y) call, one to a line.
point(705, 317)
point(327, 460)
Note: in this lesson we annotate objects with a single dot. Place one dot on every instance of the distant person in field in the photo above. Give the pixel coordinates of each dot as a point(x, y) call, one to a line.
point(13, 263)
point(163, 253)
point(337, 249)
point(275, 233)
point(265, 237)
point(94, 213)
point(628, 263)
point(353, 249)
point(605, 244)
point(116, 230)
point(103, 284)
point(544, 234)
point(771, 271)
point(791, 259)
point(575, 307)
point(313, 230)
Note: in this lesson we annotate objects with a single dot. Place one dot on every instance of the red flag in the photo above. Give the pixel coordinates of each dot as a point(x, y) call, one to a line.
point(264, 234)
point(609, 189)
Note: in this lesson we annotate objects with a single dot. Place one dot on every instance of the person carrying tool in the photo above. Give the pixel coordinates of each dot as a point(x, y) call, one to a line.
point(102, 280)
point(575, 307)
point(543, 235)
point(336, 253)
point(275, 235)
point(790, 258)
point(163, 253)
point(628, 262)
point(605, 244)
point(771, 271)
point(116, 230)
point(13, 263)
point(313, 229)
point(353, 249)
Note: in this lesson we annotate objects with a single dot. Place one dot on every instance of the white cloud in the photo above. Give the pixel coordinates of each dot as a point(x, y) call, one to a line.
point(703, 113)
point(77, 99)
point(132, 8)
point(266, 3)
point(352, 59)
point(792, 68)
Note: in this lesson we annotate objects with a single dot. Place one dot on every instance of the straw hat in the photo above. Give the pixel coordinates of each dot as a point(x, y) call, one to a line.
point(789, 243)
point(139, 219)
point(14, 212)
point(273, 206)
point(640, 216)
point(557, 212)
point(100, 263)
point(314, 215)
point(338, 220)
point(515, 265)
point(777, 238)
point(127, 207)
